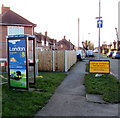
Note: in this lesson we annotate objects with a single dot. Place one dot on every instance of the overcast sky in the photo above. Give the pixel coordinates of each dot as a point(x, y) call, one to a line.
point(60, 17)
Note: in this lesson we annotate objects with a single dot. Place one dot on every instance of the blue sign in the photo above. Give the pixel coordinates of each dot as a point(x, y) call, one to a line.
point(99, 23)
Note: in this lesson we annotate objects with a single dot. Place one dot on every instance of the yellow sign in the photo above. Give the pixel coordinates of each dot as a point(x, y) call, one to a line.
point(99, 66)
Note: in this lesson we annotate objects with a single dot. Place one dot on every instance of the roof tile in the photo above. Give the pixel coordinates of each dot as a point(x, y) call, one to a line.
point(12, 18)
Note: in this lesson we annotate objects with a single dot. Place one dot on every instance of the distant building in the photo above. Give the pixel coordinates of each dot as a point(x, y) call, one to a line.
point(44, 42)
point(12, 23)
point(65, 45)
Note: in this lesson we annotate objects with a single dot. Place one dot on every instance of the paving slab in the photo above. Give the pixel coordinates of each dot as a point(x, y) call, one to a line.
point(95, 98)
point(69, 98)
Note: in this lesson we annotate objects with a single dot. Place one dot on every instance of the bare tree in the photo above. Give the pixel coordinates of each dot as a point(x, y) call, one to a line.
point(88, 45)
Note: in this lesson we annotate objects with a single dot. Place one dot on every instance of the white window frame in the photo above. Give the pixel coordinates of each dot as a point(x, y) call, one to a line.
point(46, 43)
point(42, 43)
point(15, 30)
point(61, 45)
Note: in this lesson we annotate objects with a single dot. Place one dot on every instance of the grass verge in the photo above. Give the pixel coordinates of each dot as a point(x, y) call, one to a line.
point(26, 103)
point(87, 67)
point(108, 87)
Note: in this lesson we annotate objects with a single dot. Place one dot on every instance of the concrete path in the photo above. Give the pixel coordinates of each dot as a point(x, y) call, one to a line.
point(70, 98)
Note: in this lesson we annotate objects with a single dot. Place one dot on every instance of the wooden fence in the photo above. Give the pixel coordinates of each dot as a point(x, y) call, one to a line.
point(60, 61)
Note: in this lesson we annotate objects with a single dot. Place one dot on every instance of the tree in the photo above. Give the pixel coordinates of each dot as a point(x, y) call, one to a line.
point(88, 45)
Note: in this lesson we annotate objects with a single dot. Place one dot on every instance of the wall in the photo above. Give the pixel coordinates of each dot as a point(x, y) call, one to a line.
point(28, 30)
point(3, 33)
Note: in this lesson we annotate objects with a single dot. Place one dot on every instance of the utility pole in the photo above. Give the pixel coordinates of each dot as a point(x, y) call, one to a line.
point(99, 32)
point(117, 39)
point(78, 34)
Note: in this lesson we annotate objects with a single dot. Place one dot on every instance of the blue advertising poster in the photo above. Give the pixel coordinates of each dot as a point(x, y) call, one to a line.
point(17, 54)
point(17, 63)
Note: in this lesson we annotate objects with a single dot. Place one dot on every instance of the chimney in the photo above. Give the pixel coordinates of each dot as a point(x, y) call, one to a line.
point(46, 33)
point(69, 45)
point(4, 9)
point(64, 37)
point(45, 38)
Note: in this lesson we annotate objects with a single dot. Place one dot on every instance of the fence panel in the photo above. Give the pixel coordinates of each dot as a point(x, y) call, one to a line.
point(70, 59)
point(59, 61)
point(45, 61)
point(56, 60)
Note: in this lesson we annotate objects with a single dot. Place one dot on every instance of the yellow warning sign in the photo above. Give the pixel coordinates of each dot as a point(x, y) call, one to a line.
point(99, 66)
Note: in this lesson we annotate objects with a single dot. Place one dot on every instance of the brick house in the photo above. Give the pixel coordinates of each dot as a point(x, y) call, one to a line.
point(44, 42)
point(65, 45)
point(12, 23)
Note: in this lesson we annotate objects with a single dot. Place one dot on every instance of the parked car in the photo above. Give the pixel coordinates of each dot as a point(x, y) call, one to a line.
point(89, 53)
point(95, 51)
point(80, 55)
point(116, 55)
point(110, 53)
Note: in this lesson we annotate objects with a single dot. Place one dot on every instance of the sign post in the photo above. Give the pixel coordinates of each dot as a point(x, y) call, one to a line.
point(99, 25)
point(18, 65)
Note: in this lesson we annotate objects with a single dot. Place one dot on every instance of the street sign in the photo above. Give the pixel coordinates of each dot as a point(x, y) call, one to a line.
point(100, 66)
point(98, 17)
point(99, 23)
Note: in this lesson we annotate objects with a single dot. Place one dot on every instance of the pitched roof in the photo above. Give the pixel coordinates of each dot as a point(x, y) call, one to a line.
point(64, 42)
point(12, 18)
point(40, 37)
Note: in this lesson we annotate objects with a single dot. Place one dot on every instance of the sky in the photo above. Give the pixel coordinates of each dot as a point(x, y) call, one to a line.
point(60, 18)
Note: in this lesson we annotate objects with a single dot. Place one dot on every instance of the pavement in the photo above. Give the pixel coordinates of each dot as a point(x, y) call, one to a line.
point(70, 98)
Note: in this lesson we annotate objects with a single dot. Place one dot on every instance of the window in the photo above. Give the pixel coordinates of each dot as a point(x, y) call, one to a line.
point(47, 43)
point(14, 30)
point(42, 43)
point(61, 46)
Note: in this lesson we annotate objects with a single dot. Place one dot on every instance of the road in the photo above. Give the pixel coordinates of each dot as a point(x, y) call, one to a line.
point(114, 65)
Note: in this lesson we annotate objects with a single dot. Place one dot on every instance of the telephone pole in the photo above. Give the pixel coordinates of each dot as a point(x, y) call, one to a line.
point(78, 34)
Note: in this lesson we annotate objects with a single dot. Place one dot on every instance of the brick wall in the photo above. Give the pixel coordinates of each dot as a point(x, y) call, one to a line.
point(3, 34)
point(28, 30)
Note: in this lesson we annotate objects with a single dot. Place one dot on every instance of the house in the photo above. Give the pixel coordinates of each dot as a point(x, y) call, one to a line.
point(65, 45)
point(12, 23)
point(44, 42)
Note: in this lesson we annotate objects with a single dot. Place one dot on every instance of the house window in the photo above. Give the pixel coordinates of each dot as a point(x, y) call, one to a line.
point(42, 43)
point(14, 30)
point(46, 43)
point(61, 46)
